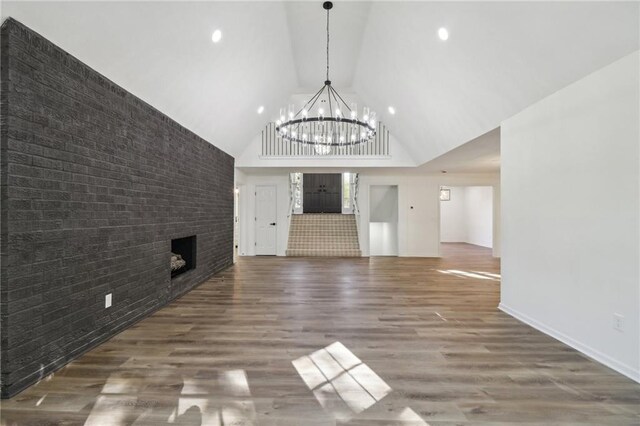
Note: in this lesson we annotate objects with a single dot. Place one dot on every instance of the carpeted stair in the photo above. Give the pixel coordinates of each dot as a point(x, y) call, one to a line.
point(324, 235)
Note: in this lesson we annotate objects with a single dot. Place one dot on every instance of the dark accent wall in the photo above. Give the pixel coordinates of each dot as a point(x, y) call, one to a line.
point(94, 185)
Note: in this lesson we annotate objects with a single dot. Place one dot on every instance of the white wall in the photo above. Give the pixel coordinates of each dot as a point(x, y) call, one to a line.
point(418, 227)
point(468, 216)
point(383, 239)
point(479, 215)
point(571, 214)
point(453, 216)
point(383, 203)
point(419, 208)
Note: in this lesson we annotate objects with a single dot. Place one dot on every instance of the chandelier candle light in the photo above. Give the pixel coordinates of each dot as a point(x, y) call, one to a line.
point(332, 123)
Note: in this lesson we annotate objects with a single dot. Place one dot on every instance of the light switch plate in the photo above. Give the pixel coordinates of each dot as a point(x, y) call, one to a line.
point(107, 301)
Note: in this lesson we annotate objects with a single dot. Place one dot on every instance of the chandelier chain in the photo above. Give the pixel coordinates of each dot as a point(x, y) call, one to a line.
point(327, 132)
point(327, 44)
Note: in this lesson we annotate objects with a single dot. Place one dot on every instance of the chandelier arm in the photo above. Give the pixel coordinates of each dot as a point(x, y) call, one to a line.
point(309, 101)
point(316, 97)
point(345, 104)
point(334, 92)
point(330, 106)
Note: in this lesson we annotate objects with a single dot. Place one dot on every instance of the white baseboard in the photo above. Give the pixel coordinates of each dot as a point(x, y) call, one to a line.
point(598, 356)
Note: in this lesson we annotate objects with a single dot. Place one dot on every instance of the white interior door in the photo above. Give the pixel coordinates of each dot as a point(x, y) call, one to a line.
point(266, 224)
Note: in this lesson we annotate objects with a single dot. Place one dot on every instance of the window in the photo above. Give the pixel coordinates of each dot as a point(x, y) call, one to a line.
point(296, 192)
point(346, 191)
point(445, 194)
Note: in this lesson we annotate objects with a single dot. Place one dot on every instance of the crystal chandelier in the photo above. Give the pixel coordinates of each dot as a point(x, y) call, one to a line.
point(330, 123)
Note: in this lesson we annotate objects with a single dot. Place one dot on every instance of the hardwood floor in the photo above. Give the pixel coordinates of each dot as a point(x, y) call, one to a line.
point(324, 341)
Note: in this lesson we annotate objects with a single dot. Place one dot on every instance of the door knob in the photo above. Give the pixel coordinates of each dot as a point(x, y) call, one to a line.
point(273, 224)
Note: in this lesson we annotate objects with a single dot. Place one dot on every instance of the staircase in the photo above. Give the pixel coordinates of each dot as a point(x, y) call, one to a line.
point(323, 235)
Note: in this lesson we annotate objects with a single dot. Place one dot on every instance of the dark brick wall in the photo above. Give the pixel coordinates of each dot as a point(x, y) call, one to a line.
point(95, 184)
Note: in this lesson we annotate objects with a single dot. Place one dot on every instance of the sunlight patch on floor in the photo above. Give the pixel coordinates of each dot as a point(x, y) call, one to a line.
point(344, 385)
point(465, 274)
point(489, 274)
point(341, 383)
point(215, 402)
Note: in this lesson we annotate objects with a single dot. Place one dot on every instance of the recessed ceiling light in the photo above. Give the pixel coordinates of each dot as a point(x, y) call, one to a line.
point(260, 109)
point(443, 33)
point(216, 36)
point(392, 110)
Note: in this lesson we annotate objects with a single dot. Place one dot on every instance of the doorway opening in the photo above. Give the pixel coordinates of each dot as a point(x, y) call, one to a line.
point(383, 220)
point(466, 218)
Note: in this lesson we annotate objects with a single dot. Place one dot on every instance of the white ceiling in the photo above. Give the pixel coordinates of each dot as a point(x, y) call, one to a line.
point(307, 26)
point(500, 58)
point(162, 52)
point(481, 155)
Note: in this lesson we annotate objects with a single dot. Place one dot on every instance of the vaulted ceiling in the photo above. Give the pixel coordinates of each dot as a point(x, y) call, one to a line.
point(500, 58)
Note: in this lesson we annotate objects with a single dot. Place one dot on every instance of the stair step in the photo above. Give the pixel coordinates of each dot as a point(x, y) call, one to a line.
point(324, 253)
point(323, 235)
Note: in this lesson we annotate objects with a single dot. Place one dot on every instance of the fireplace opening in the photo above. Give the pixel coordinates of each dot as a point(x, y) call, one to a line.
point(183, 255)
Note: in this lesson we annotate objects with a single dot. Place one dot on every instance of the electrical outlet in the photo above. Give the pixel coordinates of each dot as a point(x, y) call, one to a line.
point(618, 322)
point(107, 301)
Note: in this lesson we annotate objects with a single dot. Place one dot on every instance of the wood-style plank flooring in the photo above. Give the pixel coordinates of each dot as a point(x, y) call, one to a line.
point(325, 341)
